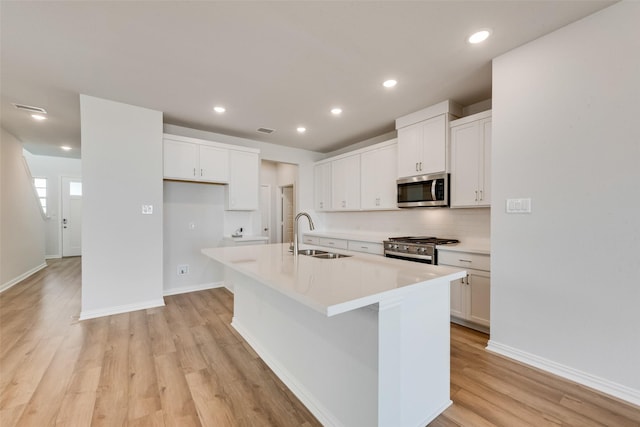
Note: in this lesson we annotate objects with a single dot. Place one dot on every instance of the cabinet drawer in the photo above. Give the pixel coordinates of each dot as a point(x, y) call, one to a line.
point(311, 240)
point(368, 247)
point(465, 260)
point(333, 243)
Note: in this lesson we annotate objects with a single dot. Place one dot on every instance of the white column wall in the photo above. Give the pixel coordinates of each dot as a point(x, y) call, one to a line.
point(565, 279)
point(122, 170)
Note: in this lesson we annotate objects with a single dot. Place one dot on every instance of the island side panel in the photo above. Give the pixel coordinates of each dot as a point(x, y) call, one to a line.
point(330, 363)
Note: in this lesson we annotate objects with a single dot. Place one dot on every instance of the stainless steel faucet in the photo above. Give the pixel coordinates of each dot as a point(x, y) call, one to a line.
point(295, 230)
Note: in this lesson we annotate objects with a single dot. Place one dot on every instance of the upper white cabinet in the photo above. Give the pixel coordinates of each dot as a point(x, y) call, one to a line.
point(190, 159)
point(364, 179)
point(423, 140)
point(378, 177)
point(244, 176)
point(322, 186)
point(471, 161)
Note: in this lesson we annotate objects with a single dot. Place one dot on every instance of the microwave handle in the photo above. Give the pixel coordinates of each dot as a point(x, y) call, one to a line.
point(433, 190)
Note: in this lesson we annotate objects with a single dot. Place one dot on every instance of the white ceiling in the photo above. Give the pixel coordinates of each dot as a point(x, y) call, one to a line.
point(272, 64)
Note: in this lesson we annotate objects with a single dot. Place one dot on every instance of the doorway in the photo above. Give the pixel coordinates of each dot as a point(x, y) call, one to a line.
point(288, 209)
point(265, 211)
point(71, 193)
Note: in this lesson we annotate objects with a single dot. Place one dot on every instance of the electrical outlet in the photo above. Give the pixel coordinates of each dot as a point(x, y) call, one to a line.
point(518, 206)
point(183, 269)
point(147, 209)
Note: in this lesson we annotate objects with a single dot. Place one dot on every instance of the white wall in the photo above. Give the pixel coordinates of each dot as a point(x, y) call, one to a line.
point(122, 170)
point(193, 219)
point(22, 237)
point(566, 278)
point(53, 168)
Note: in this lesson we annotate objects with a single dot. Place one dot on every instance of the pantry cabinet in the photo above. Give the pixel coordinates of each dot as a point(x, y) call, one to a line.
point(471, 161)
point(378, 177)
point(244, 176)
point(322, 186)
point(471, 295)
point(345, 183)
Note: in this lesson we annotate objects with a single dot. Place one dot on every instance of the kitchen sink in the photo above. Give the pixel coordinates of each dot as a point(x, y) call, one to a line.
point(316, 253)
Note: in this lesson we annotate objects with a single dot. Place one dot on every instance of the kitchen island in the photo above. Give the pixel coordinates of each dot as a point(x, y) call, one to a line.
point(361, 340)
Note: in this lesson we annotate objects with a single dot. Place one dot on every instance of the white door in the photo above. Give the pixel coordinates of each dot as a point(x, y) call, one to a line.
point(71, 216)
point(265, 211)
point(288, 207)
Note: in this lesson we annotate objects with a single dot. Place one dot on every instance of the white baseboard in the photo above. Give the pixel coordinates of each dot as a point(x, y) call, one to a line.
point(91, 314)
point(317, 409)
point(600, 384)
point(193, 288)
point(54, 256)
point(21, 277)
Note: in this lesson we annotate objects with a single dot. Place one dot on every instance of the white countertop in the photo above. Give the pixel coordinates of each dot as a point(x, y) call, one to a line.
point(361, 237)
point(476, 247)
point(330, 286)
point(246, 238)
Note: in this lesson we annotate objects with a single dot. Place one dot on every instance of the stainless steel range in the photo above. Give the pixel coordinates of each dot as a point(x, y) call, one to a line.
point(418, 249)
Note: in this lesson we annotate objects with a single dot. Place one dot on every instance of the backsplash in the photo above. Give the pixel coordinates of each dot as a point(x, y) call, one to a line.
point(462, 224)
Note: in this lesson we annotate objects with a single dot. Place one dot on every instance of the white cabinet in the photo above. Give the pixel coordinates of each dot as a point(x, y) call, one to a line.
point(369, 247)
point(244, 175)
point(471, 295)
point(345, 183)
point(378, 172)
point(422, 147)
point(322, 186)
point(195, 162)
point(471, 161)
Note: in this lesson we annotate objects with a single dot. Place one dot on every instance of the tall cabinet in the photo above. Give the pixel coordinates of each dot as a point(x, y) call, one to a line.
point(471, 161)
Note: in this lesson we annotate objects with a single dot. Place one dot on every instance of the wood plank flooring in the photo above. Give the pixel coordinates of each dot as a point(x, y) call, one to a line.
point(183, 365)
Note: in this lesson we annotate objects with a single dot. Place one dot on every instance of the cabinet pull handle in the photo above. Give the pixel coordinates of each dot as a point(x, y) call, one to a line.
point(462, 281)
point(481, 196)
point(464, 260)
point(416, 166)
point(194, 171)
point(201, 174)
point(468, 280)
point(476, 195)
point(421, 166)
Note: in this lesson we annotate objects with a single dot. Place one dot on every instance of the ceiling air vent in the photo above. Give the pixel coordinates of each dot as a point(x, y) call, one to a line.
point(30, 109)
point(266, 130)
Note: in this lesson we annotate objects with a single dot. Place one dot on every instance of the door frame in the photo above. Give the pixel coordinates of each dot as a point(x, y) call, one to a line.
point(268, 211)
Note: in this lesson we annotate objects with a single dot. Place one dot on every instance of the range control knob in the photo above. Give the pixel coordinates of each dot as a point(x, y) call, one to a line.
point(406, 248)
point(422, 250)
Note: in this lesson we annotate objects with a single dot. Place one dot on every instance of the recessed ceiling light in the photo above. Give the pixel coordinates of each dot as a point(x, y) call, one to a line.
point(301, 129)
point(219, 109)
point(389, 83)
point(39, 117)
point(336, 111)
point(479, 36)
point(65, 147)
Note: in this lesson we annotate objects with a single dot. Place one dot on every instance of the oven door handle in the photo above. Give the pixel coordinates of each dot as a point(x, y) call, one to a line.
point(406, 255)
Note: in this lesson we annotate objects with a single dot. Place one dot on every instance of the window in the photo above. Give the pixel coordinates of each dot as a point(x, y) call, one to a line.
point(41, 188)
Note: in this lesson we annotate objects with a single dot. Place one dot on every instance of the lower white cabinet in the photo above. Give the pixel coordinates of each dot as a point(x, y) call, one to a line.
point(471, 295)
point(375, 248)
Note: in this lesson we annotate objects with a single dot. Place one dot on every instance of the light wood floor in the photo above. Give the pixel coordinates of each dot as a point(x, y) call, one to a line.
point(183, 365)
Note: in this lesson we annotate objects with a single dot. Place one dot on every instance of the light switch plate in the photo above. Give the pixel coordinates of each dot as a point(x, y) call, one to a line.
point(519, 205)
point(147, 209)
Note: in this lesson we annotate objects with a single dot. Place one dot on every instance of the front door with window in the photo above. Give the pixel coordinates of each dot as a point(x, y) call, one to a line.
point(71, 216)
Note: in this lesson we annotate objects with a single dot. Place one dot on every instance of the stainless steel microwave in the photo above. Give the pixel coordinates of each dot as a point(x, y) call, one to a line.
point(423, 191)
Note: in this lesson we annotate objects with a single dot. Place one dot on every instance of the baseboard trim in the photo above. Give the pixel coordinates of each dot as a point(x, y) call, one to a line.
point(21, 277)
point(600, 384)
point(301, 392)
point(55, 256)
point(193, 288)
point(119, 309)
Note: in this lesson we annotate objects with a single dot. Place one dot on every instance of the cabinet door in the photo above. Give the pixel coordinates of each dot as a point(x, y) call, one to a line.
point(214, 164)
point(465, 155)
point(485, 164)
point(409, 150)
point(242, 192)
point(479, 297)
point(378, 178)
point(345, 183)
point(434, 148)
point(180, 160)
point(457, 293)
point(322, 186)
